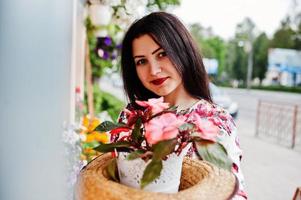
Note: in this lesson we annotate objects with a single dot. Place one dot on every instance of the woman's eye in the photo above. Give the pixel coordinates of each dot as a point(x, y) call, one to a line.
point(140, 62)
point(162, 54)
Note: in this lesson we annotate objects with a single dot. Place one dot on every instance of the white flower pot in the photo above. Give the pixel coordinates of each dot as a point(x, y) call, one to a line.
point(131, 172)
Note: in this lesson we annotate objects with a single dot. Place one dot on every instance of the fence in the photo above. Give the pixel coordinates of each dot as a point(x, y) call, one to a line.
point(280, 122)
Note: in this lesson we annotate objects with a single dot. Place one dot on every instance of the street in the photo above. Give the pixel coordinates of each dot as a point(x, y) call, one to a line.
point(272, 171)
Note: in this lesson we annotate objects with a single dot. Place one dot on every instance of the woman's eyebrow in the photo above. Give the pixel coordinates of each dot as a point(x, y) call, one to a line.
point(138, 56)
point(156, 50)
point(141, 56)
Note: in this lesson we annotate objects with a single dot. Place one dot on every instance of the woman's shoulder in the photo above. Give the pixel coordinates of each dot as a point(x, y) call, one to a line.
point(217, 114)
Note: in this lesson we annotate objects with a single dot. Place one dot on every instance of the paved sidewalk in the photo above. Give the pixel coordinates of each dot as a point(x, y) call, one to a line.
point(272, 172)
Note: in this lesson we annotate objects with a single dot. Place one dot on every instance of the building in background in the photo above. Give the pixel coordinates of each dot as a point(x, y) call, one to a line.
point(211, 66)
point(284, 67)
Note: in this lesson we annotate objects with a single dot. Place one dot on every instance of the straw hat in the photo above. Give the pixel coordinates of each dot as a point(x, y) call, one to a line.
point(199, 180)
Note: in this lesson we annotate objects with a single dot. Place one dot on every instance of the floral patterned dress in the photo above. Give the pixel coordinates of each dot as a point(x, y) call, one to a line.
point(227, 136)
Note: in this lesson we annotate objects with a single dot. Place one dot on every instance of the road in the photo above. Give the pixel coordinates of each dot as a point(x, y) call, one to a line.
point(272, 171)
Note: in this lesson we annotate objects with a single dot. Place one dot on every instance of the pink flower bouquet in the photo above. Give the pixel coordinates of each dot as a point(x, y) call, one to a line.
point(156, 130)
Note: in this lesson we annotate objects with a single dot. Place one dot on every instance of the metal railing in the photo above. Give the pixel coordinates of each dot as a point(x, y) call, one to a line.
point(279, 121)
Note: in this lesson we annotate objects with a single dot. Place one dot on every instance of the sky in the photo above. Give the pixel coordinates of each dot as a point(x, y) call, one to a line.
point(224, 15)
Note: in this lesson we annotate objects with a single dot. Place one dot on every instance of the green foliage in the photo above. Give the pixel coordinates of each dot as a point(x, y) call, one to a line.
point(137, 134)
point(245, 30)
point(137, 145)
point(104, 101)
point(160, 151)
point(164, 148)
point(210, 46)
point(279, 88)
point(151, 172)
point(283, 37)
point(135, 154)
point(111, 169)
point(107, 125)
point(297, 37)
point(119, 146)
point(214, 153)
point(236, 55)
point(219, 51)
point(238, 63)
point(98, 63)
point(260, 56)
point(232, 55)
point(153, 169)
point(162, 4)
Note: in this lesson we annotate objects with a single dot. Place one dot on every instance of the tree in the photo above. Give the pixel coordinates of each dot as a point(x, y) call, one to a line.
point(200, 34)
point(162, 4)
point(284, 36)
point(218, 47)
point(297, 37)
point(239, 65)
point(238, 49)
point(210, 45)
point(260, 56)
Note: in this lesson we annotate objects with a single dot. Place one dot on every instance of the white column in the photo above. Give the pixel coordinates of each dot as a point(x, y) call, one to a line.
point(35, 97)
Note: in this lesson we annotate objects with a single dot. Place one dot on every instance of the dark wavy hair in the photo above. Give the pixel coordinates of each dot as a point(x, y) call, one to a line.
point(170, 34)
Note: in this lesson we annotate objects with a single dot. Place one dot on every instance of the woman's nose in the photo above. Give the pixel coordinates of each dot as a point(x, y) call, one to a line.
point(155, 68)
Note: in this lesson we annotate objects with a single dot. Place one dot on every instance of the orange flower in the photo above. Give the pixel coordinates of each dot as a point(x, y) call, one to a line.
point(97, 136)
point(90, 124)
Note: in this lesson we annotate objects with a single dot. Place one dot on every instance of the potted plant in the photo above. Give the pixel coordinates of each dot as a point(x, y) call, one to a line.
point(150, 144)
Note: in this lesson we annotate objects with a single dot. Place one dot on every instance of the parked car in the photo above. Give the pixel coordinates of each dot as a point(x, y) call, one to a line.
point(221, 98)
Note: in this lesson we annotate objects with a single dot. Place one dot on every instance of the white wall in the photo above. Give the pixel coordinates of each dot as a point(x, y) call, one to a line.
point(35, 93)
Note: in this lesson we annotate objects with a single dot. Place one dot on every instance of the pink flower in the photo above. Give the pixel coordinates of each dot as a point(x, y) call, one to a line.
point(163, 127)
point(206, 128)
point(156, 105)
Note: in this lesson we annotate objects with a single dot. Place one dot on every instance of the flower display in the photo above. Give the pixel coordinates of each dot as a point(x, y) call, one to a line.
point(153, 130)
point(90, 137)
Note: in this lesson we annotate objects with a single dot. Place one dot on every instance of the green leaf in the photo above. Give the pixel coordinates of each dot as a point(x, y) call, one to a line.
point(111, 169)
point(90, 144)
point(151, 172)
point(164, 148)
point(135, 154)
point(107, 126)
point(214, 153)
point(119, 146)
point(136, 134)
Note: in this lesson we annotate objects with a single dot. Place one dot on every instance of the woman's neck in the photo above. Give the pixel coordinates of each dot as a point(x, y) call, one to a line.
point(180, 98)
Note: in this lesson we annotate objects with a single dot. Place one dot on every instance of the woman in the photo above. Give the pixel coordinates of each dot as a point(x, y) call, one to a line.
point(160, 59)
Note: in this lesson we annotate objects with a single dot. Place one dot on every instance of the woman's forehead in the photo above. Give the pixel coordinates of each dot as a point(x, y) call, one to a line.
point(144, 44)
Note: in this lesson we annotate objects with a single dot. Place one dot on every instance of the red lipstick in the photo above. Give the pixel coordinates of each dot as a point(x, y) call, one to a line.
point(159, 81)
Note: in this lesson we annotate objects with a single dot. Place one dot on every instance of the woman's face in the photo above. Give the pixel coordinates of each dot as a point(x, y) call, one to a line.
point(155, 70)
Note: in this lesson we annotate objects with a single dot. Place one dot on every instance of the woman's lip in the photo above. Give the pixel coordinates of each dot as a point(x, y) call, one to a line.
point(159, 81)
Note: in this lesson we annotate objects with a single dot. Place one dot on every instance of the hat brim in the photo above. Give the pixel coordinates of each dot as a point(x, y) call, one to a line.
point(200, 180)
